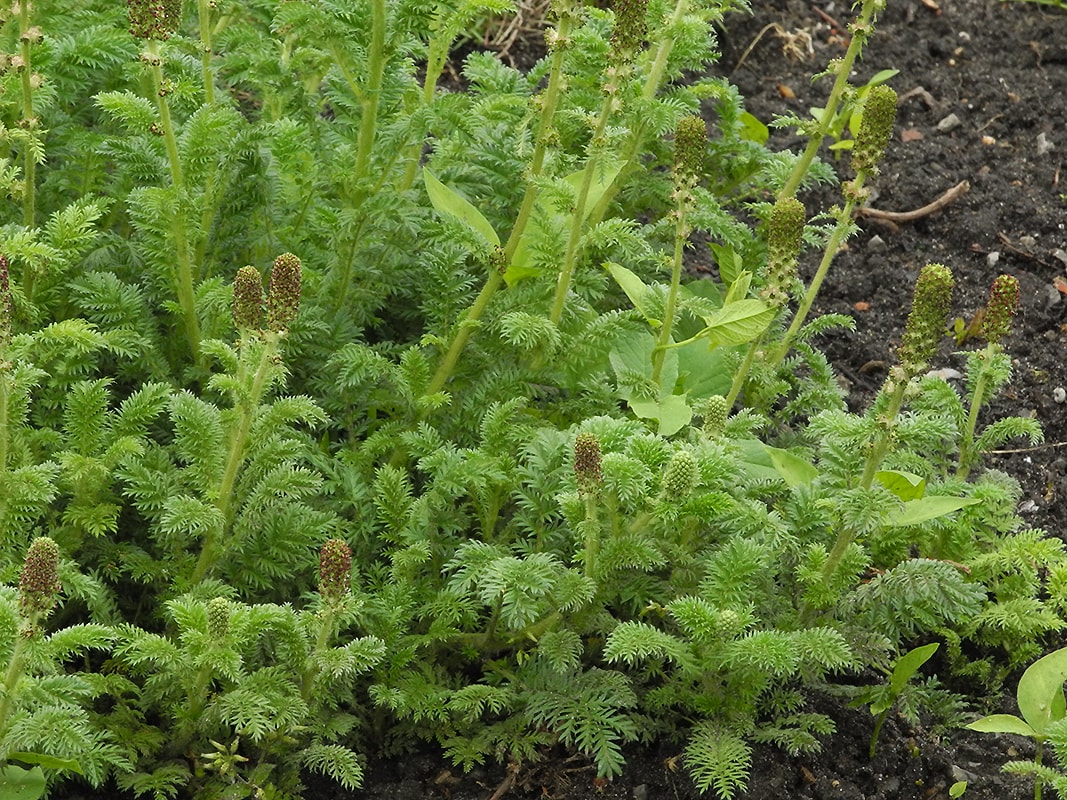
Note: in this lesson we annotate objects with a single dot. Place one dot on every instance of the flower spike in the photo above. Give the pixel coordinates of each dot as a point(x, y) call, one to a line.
point(928, 318)
point(1002, 305)
point(247, 299)
point(283, 296)
point(876, 126)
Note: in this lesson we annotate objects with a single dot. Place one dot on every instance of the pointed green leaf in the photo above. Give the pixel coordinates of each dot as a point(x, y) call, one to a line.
point(908, 664)
point(603, 178)
point(738, 287)
point(904, 485)
point(703, 372)
point(927, 508)
point(793, 469)
point(738, 323)
point(1002, 723)
point(728, 261)
point(753, 130)
point(452, 203)
point(635, 288)
point(17, 783)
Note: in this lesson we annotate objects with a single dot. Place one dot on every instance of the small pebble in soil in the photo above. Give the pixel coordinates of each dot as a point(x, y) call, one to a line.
point(951, 122)
point(1043, 144)
point(875, 243)
point(1060, 255)
point(992, 258)
point(1059, 394)
point(1052, 295)
point(641, 792)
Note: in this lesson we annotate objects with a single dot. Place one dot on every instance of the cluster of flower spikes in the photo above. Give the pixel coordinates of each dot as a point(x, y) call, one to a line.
point(39, 585)
point(587, 464)
point(876, 126)
point(1001, 307)
point(927, 320)
point(335, 569)
point(283, 296)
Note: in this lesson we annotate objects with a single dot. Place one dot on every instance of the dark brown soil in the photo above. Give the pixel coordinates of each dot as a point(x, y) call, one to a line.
point(1001, 69)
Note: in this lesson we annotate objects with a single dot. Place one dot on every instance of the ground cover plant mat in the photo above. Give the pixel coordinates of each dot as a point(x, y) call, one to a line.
point(653, 398)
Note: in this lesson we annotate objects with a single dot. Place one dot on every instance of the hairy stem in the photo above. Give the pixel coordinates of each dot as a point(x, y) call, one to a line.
point(375, 77)
point(660, 353)
point(574, 238)
point(29, 160)
point(591, 532)
point(185, 279)
point(246, 409)
point(206, 67)
point(963, 468)
point(549, 101)
point(837, 238)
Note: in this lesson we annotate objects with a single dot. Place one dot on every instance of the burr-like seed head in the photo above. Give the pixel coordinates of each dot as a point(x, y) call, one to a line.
point(587, 463)
point(283, 295)
point(39, 585)
point(335, 569)
point(247, 299)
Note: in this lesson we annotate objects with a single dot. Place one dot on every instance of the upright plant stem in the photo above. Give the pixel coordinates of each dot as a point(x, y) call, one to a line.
point(29, 160)
point(372, 96)
point(843, 68)
point(844, 222)
point(185, 279)
point(549, 101)
point(660, 353)
point(208, 71)
point(574, 237)
point(963, 469)
point(5, 389)
point(235, 457)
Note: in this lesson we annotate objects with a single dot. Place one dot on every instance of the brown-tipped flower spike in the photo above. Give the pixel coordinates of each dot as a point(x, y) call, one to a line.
point(247, 299)
point(630, 28)
point(147, 19)
point(690, 141)
point(283, 295)
point(172, 15)
point(876, 126)
point(218, 618)
point(335, 569)
point(785, 231)
point(39, 585)
point(928, 318)
point(587, 464)
point(1002, 305)
point(5, 305)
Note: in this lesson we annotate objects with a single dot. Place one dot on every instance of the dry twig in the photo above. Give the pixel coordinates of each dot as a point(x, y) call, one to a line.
point(952, 194)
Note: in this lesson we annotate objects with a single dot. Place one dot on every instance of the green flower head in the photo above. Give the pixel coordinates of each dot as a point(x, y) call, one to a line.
point(876, 126)
point(248, 299)
point(335, 569)
point(39, 585)
point(587, 464)
point(690, 141)
point(680, 477)
point(172, 15)
point(715, 414)
point(928, 318)
point(1002, 305)
point(785, 231)
point(283, 295)
point(218, 618)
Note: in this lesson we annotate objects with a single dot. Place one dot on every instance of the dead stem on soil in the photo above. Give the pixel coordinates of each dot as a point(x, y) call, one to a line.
point(897, 217)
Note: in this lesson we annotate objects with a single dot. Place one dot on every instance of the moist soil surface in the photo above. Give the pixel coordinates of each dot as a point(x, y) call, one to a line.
point(983, 88)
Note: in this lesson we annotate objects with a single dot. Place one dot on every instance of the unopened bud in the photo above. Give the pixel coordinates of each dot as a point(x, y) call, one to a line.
point(1002, 305)
point(247, 299)
point(715, 413)
point(587, 464)
point(283, 295)
point(218, 618)
point(928, 318)
point(335, 569)
point(680, 476)
point(876, 126)
point(39, 585)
